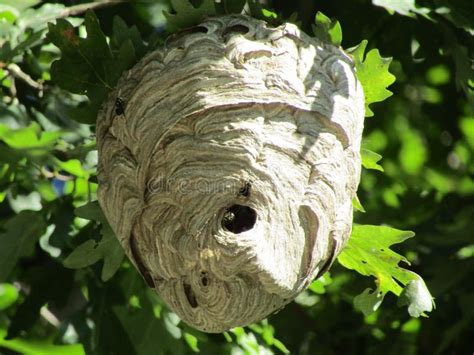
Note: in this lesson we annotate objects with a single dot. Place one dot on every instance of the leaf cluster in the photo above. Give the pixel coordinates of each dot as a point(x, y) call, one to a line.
point(57, 248)
point(91, 66)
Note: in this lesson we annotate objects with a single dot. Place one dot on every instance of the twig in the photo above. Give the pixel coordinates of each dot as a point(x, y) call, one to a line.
point(78, 9)
point(16, 71)
point(49, 317)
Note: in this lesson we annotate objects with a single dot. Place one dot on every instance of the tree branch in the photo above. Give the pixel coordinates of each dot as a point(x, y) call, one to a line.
point(78, 9)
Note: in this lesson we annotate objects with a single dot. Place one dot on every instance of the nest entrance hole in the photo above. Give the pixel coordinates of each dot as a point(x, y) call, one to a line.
point(204, 279)
point(239, 218)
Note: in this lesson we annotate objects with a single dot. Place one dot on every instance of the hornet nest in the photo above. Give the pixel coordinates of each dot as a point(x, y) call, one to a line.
point(228, 160)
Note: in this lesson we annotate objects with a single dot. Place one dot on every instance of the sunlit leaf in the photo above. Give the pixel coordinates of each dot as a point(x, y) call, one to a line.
point(38, 18)
point(30, 202)
point(466, 125)
point(413, 153)
point(73, 167)
point(258, 11)
point(8, 13)
point(192, 342)
point(319, 286)
point(368, 301)
point(368, 252)
point(327, 30)
point(357, 204)
point(403, 7)
point(372, 72)
point(8, 295)
point(370, 159)
point(438, 75)
point(21, 4)
point(417, 297)
point(38, 347)
point(31, 137)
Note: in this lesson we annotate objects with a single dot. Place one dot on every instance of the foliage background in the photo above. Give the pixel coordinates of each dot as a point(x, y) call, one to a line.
point(53, 303)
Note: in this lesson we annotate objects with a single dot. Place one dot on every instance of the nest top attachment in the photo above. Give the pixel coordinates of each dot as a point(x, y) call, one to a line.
point(228, 160)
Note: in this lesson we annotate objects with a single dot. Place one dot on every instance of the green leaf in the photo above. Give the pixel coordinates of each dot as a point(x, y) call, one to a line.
point(8, 14)
point(464, 71)
point(327, 30)
point(8, 295)
point(466, 125)
point(372, 72)
point(90, 252)
point(192, 342)
point(72, 167)
point(357, 204)
point(293, 18)
point(403, 7)
point(368, 301)
point(123, 34)
point(413, 153)
point(267, 332)
point(29, 42)
point(86, 114)
point(87, 65)
point(18, 237)
point(37, 19)
point(417, 297)
point(438, 75)
point(186, 15)
point(38, 347)
point(261, 13)
point(368, 252)
point(21, 4)
point(141, 323)
point(82, 68)
point(62, 217)
point(370, 159)
point(125, 57)
point(319, 286)
point(28, 29)
point(91, 211)
point(31, 137)
point(459, 13)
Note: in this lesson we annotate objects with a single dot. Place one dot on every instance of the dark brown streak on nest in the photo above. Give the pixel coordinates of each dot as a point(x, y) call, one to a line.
point(138, 261)
point(191, 297)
